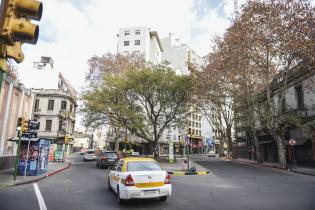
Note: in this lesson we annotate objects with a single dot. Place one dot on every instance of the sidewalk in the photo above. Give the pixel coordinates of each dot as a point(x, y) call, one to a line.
point(297, 169)
point(6, 176)
point(180, 168)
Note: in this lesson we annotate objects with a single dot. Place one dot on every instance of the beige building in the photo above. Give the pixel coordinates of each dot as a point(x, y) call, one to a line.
point(15, 101)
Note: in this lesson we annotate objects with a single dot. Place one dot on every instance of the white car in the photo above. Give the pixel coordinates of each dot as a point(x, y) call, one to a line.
point(139, 178)
point(89, 155)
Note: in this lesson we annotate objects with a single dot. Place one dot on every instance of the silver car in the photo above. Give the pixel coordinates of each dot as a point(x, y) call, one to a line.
point(89, 155)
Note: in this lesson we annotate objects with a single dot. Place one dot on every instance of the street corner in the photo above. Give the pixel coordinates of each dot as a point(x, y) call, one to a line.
point(184, 173)
point(31, 179)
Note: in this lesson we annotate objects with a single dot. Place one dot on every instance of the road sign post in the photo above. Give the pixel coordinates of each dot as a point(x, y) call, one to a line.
point(292, 142)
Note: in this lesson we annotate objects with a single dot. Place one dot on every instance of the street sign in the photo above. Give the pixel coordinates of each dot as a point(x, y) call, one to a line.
point(292, 141)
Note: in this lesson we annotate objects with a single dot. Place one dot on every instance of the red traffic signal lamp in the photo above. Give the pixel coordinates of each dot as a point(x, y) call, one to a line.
point(16, 27)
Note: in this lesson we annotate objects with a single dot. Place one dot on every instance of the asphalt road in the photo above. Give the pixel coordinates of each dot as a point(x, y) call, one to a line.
point(229, 186)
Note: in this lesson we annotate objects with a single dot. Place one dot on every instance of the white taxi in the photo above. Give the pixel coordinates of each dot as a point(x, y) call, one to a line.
point(135, 177)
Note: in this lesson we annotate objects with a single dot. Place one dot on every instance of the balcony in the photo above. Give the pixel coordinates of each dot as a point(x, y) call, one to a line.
point(64, 114)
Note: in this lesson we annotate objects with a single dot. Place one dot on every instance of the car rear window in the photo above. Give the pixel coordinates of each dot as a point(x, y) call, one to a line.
point(90, 152)
point(143, 166)
point(110, 154)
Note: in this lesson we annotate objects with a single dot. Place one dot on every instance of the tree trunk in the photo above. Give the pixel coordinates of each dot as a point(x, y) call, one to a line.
point(116, 141)
point(258, 153)
point(281, 150)
point(230, 144)
point(155, 150)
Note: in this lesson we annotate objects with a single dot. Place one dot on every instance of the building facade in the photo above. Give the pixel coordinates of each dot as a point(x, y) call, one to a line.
point(55, 110)
point(15, 101)
point(142, 41)
point(299, 101)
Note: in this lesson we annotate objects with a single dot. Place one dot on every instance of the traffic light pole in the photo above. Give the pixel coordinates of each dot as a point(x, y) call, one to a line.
point(17, 155)
point(188, 151)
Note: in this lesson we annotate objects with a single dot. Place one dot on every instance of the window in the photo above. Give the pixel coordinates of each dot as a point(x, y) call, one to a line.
point(48, 125)
point(63, 105)
point(71, 107)
point(126, 52)
point(126, 43)
point(143, 166)
point(51, 104)
point(299, 97)
point(60, 125)
point(199, 118)
point(137, 42)
point(127, 33)
point(137, 32)
point(36, 104)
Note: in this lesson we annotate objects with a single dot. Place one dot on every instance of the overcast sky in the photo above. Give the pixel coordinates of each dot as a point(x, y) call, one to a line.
point(71, 31)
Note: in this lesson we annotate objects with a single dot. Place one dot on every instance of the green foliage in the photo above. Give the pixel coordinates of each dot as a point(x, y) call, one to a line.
point(145, 100)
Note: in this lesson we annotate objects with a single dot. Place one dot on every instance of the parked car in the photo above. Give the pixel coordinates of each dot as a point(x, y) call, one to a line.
point(89, 155)
point(211, 152)
point(134, 178)
point(106, 159)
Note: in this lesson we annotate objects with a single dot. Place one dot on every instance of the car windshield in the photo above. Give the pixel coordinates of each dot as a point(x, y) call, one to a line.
point(110, 154)
point(143, 166)
point(90, 152)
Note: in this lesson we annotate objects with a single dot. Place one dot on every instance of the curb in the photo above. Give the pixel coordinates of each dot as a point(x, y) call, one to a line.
point(182, 173)
point(36, 179)
point(276, 167)
point(301, 172)
point(264, 165)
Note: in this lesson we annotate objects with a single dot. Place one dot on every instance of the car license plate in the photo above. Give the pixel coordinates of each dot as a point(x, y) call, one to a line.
point(150, 192)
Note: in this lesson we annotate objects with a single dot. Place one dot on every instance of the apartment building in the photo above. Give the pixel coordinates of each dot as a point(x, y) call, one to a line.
point(142, 41)
point(15, 101)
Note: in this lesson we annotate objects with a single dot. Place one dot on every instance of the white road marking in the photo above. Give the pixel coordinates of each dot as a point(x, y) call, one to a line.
point(41, 202)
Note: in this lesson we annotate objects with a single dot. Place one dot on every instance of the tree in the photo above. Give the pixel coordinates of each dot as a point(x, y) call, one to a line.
point(146, 101)
point(215, 92)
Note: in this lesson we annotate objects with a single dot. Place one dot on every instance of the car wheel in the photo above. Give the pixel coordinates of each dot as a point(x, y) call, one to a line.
point(164, 198)
point(118, 199)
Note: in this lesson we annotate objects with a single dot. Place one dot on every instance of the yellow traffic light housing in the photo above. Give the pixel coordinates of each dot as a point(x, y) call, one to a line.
point(25, 125)
point(16, 26)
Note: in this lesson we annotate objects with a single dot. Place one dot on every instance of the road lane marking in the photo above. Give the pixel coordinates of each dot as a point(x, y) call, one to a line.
point(41, 202)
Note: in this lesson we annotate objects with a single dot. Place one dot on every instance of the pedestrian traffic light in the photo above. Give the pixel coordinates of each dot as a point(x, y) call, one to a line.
point(16, 27)
point(19, 123)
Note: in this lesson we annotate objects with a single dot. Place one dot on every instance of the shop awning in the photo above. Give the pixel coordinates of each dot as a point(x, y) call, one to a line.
point(16, 139)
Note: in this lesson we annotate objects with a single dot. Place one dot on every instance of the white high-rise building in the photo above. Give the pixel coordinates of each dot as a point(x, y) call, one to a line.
point(143, 41)
point(140, 40)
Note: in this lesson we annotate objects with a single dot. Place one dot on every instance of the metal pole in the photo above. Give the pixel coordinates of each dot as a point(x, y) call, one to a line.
point(26, 160)
point(293, 156)
point(188, 152)
point(17, 155)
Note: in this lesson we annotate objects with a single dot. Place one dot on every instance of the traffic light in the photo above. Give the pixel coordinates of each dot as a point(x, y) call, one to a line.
point(19, 123)
point(25, 125)
point(16, 27)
